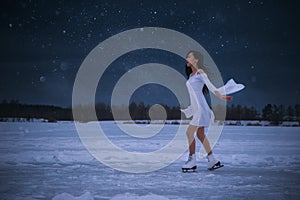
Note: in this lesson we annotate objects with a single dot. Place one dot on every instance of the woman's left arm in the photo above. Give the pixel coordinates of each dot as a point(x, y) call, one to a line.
point(212, 88)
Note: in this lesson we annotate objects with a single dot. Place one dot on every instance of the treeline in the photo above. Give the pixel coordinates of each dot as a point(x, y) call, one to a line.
point(238, 112)
point(270, 112)
point(279, 113)
point(15, 109)
point(136, 112)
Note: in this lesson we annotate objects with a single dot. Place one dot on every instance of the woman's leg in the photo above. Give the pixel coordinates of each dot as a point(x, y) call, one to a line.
point(202, 137)
point(191, 139)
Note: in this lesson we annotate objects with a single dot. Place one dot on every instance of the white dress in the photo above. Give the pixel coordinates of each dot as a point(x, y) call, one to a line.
point(199, 109)
point(201, 112)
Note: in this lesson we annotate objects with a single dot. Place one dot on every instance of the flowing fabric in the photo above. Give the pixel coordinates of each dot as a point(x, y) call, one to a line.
point(199, 109)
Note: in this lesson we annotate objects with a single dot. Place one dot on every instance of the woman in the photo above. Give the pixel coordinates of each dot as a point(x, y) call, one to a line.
point(198, 84)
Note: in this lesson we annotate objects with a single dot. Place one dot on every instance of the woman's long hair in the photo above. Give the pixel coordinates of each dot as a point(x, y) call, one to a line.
point(200, 65)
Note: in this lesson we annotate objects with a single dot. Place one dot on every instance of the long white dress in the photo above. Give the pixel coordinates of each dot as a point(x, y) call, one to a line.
point(199, 109)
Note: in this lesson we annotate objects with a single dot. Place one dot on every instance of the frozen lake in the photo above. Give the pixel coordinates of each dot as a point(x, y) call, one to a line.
point(48, 161)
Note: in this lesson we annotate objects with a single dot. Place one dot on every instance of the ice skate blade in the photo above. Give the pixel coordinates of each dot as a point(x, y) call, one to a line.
point(216, 166)
point(193, 169)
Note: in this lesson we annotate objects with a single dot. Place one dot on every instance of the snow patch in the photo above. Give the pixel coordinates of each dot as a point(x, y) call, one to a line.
point(74, 156)
point(210, 175)
point(130, 196)
point(67, 196)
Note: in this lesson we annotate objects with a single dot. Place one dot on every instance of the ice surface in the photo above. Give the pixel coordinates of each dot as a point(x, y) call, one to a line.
point(135, 197)
point(48, 161)
point(66, 196)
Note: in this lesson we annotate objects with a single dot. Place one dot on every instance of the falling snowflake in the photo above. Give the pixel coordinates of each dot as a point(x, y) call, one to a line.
point(42, 79)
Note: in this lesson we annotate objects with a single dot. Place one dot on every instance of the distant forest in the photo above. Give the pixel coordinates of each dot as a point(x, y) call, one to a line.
point(15, 109)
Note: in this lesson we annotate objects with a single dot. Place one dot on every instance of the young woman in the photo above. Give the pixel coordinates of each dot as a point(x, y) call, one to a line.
point(198, 84)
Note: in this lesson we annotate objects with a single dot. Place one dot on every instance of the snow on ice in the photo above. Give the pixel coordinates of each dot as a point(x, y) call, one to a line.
point(48, 161)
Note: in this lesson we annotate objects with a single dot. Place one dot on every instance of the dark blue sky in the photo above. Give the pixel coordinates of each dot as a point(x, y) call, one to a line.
point(44, 42)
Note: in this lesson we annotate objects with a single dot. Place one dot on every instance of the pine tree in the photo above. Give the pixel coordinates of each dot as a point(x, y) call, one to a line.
point(267, 112)
point(290, 113)
point(297, 112)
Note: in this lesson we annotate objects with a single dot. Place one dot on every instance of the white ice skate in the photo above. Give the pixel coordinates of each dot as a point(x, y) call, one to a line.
point(190, 164)
point(213, 163)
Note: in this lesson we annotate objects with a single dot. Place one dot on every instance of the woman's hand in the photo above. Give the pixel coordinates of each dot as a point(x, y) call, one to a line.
point(227, 98)
point(223, 97)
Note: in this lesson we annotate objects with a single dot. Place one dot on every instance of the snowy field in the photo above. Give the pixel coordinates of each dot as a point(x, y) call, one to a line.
point(48, 161)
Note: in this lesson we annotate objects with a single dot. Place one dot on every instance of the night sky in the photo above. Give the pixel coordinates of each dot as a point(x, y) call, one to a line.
point(43, 44)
